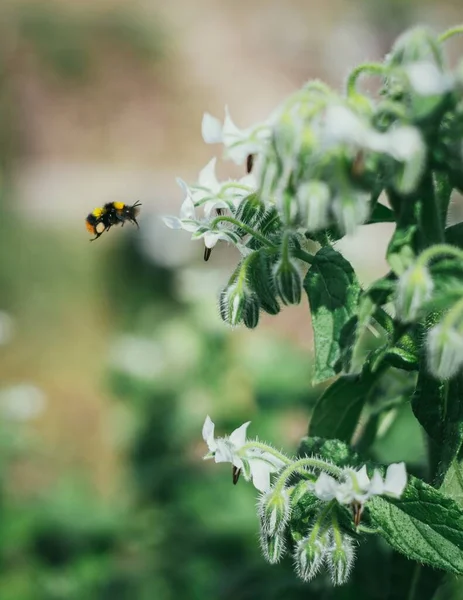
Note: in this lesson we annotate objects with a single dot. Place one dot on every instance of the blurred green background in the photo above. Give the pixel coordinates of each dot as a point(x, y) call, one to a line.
point(112, 353)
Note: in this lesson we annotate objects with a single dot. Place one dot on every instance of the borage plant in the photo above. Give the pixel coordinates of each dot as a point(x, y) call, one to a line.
point(322, 165)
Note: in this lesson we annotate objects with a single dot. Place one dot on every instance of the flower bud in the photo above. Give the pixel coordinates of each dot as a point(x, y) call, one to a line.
point(310, 555)
point(416, 45)
point(314, 203)
point(251, 210)
point(261, 281)
point(274, 511)
point(288, 281)
point(351, 209)
point(237, 304)
point(340, 558)
point(414, 288)
point(444, 351)
point(273, 547)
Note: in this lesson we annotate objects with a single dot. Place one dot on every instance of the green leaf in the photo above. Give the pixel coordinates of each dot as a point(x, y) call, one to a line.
point(424, 525)
point(337, 411)
point(454, 235)
point(453, 480)
point(381, 214)
point(438, 407)
point(333, 291)
point(428, 404)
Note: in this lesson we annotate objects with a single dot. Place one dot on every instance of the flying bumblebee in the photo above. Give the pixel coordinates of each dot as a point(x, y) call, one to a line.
point(112, 213)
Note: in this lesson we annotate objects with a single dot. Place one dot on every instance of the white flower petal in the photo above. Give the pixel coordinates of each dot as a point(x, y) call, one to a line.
point(377, 484)
point(238, 437)
point(172, 222)
point(249, 180)
point(208, 434)
point(260, 473)
point(183, 185)
point(187, 210)
point(207, 177)
point(211, 129)
point(225, 451)
point(362, 478)
point(396, 479)
point(230, 131)
point(325, 487)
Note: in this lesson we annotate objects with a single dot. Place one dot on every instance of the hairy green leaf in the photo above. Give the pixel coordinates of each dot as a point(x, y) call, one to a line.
point(424, 525)
point(333, 291)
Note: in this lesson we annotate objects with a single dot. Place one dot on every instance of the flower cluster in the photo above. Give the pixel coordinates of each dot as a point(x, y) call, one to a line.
point(312, 485)
point(319, 163)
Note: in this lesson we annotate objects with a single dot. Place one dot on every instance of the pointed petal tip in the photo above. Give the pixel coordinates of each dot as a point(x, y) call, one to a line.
point(211, 129)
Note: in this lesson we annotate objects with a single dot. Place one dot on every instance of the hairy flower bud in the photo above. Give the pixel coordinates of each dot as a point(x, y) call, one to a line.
point(288, 281)
point(351, 209)
point(314, 204)
point(274, 511)
point(238, 304)
point(444, 351)
point(251, 210)
point(340, 558)
point(310, 555)
point(414, 288)
point(273, 547)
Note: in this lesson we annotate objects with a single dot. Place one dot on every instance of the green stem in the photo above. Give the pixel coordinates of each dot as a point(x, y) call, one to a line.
point(267, 449)
point(457, 30)
point(320, 518)
point(430, 219)
point(304, 256)
point(370, 68)
point(315, 463)
point(436, 250)
point(336, 531)
point(246, 228)
point(453, 315)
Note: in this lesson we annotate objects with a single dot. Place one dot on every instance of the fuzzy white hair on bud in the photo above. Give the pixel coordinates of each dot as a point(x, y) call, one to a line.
point(310, 555)
point(274, 511)
point(340, 559)
point(273, 547)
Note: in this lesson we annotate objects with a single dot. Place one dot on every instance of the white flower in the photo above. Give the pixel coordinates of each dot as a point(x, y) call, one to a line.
point(255, 463)
point(22, 402)
point(356, 486)
point(211, 195)
point(239, 143)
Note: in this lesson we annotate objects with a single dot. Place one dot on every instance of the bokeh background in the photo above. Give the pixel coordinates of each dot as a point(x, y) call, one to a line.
point(112, 353)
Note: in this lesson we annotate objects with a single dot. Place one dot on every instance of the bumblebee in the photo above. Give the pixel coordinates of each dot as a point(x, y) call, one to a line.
point(112, 213)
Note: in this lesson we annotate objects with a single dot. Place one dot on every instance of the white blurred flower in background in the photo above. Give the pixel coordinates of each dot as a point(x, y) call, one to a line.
point(22, 402)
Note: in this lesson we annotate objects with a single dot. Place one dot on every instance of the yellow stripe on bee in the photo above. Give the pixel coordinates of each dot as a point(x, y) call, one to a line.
point(98, 212)
point(118, 205)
